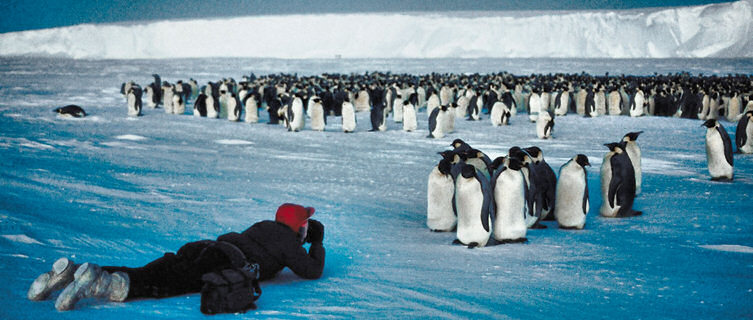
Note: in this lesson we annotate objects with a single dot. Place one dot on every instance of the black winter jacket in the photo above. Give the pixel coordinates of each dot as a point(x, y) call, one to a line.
point(275, 246)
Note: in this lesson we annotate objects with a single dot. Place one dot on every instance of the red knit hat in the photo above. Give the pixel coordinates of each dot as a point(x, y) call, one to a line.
point(293, 215)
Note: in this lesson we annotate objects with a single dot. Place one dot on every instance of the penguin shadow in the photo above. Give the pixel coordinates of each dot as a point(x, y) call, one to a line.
point(491, 243)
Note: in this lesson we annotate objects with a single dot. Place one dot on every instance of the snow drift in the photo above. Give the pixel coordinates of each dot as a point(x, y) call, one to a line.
point(717, 30)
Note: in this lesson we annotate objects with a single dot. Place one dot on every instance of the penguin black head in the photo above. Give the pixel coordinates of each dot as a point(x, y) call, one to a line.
point(535, 153)
point(497, 163)
point(631, 136)
point(447, 154)
point(612, 145)
point(582, 160)
point(468, 171)
point(406, 102)
point(444, 166)
point(457, 143)
point(514, 164)
point(710, 123)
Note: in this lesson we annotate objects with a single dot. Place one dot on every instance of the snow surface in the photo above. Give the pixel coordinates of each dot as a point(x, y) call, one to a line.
point(715, 30)
point(95, 193)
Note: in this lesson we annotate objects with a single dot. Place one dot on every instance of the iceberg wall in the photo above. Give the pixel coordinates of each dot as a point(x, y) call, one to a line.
point(717, 30)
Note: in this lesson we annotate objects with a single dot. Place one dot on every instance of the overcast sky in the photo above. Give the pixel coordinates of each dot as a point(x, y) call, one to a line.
point(20, 15)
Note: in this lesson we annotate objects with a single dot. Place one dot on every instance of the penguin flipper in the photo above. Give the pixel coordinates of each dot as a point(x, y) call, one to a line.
point(585, 194)
point(727, 144)
point(614, 187)
point(740, 133)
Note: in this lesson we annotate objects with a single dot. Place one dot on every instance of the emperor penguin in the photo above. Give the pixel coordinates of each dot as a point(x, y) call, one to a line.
point(478, 160)
point(634, 153)
point(296, 115)
point(546, 182)
point(497, 114)
point(474, 108)
point(194, 85)
point(432, 103)
point(156, 91)
point(705, 102)
point(600, 101)
point(510, 203)
point(362, 100)
point(441, 215)
point(534, 105)
point(460, 146)
point(179, 104)
point(562, 102)
point(378, 117)
point(409, 117)
point(474, 205)
point(617, 183)
point(572, 194)
point(168, 91)
point(614, 102)
point(590, 104)
point(133, 96)
point(397, 108)
point(200, 105)
point(348, 116)
point(316, 111)
point(462, 106)
point(435, 124)
point(734, 108)
point(744, 133)
point(234, 108)
point(70, 110)
point(637, 103)
point(448, 117)
point(580, 101)
point(213, 103)
point(534, 197)
point(251, 105)
point(718, 151)
point(125, 86)
point(446, 95)
point(151, 97)
point(544, 125)
point(224, 98)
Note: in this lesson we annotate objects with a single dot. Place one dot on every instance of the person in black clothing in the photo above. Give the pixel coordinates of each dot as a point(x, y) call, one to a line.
point(273, 245)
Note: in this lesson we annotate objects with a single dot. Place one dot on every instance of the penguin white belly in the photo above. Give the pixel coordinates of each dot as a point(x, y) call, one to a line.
point(448, 123)
point(705, 101)
point(498, 109)
point(614, 104)
point(748, 146)
point(561, 110)
point(252, 111)
point(634, 153)
point(432, 103)
point(462, 108)
point(510, 203)
point(211, 112)
point(717, 163)
point(409, 118)
point(179, 106)
point(545, 102)
point(534, 107)
point(348, 117)
point(606, 177)
point(569, 199)
point(601, 104)
point(438, 132)
point(580, 102)
point(748, 107)
point(469, 200)
point(398, 110)
point(733, 109)
point(440, 216)
point(317, 117)
point(168, 101)
point(362, 102)
point(299, 118)
point(132, 108)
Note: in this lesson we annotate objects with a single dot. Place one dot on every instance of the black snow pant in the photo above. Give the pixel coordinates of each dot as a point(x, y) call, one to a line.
point(175, 274)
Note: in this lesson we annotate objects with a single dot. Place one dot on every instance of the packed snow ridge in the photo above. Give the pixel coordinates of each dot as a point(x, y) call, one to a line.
point(709, 31)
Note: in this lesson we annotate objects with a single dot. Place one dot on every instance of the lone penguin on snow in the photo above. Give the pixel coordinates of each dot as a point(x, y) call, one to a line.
point(572, 194)
point(718, 151)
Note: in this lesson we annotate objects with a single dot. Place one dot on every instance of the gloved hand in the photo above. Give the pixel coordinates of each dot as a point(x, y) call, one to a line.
point(315, 232)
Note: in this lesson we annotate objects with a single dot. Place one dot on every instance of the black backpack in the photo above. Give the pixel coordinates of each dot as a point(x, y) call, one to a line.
point(231, 290)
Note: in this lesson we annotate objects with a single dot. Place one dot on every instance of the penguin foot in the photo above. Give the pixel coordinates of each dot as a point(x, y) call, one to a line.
point(537, 226)
point(569, 228)
point(472, 245)
point(721, 179)
point(509, 241)
point(456, 242)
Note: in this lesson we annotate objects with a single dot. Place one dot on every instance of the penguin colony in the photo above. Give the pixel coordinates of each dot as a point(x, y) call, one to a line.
point(481, 199)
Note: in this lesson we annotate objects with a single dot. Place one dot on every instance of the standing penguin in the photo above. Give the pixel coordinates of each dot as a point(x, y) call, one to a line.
point(572, 194)
point(200, 105)
point(744, 133)
point(133, 96)
point(212, 102)
point(562, 102)
point(634, 152)
point(168, 91)
point(510, 202)
point(617, 183)
point(378, 117)
point(535, 105)
point(251, 104)
point(440, 210)
point(234, 108)
point(448, 125)
point(718, 151)
point(497, 114)
point(348, 116)
point(546, 182)
point(474, 108)
point(296, 115)
point(474, 205)
point(397, 108)
point(318, 118)
point(637, 102)
point(435, 124)
point(179, 103)
point(409, 116)
point(544, 125)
